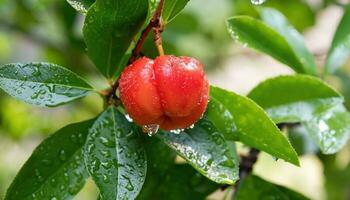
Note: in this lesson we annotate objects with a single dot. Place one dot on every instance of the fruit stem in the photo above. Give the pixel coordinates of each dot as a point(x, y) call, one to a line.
point(155, 23)
point(158, 40)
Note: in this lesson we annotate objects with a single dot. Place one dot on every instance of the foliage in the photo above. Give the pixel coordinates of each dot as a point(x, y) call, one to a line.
point(126, 164)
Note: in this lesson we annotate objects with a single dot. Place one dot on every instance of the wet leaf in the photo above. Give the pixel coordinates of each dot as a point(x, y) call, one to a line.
point(277, 21)
point(308, 100)
point(181, 182)
point(340, 49)
point(56, 168)
point(206, 150)
point(81, 5)
point(251, 124)
point(115, 157)
point(110, 26)
point(167, 180)
point(260, 36)
point(42, 84)
point(254, 188)
point(172, 8)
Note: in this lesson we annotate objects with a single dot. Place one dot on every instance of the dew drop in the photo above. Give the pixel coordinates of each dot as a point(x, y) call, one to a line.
point(150, 129)
point(62, 155)
point(257, 2)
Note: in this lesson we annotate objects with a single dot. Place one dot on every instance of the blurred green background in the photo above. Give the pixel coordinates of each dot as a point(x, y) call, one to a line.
point(50, 30)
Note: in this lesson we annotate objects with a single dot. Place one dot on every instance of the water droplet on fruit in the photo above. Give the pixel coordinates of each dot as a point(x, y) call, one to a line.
point(257, 2)
point(150, 129)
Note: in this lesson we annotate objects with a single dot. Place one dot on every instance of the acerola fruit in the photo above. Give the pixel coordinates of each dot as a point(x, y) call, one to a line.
point(169, 91)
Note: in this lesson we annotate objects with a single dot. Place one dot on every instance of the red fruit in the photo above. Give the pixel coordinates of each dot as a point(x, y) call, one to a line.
point(169, 91)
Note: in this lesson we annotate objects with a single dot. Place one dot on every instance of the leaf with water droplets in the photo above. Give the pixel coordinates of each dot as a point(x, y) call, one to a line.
point(81, 5)
point(252, 125)
point(168, 180)
point(42, 84)
point(109, 28)
point(254, 188)
point(277, 21)
point(55, 169)
point(115, 157)
point(340, 49)
point(172, 8)
point(260, 36)
point(301, 98)
point(206, 150)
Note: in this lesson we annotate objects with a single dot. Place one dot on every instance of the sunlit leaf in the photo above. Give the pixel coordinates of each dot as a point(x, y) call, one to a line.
point(250, 123)
point(296, 41)
point(115, 157)
point(260, 36)
point(206, 150)
point(42, 84)
point(81, 5)
point(300, 98)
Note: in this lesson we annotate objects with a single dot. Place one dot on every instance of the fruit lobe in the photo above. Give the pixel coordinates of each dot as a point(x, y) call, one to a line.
point(170, 91)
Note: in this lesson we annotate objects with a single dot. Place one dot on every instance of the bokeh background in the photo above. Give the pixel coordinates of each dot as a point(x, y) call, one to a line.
point(50, 30)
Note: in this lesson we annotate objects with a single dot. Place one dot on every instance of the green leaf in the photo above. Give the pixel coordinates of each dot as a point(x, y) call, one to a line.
point(294, 98)
point(167, 180)
point(206, 150)
point(301, 141)
point(340, 49)
point(253, 126)
point(304, 18)
point(115, 157)
point(308, 100)
point(181, 182)
point(56, 168)
point(255, 188)
point(296, 41)
point(110, 26)
point(261, 37)
point(81, 5)
point(172, 8)
point(42, 84)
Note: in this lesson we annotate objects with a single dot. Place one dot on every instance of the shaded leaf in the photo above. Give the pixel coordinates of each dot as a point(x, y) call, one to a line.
point(110, 26)
point(340, 49)
point(206, 150)
point(167, 180)
point(172, 8)
point(42, 84)
point(308, 100)
point(296, 41)
point(181, 182)
point(255, 188)
point(56, 168)
point(253, 127)
point(261, 37)
point(81, 5)
point(115, 157)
